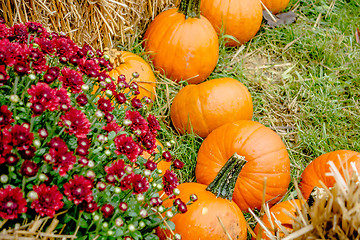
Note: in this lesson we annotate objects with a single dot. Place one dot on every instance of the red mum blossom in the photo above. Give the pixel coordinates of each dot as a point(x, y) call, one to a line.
point(4, 31)
point(65, 47)
point(34, 27)
point(12, 202)
point(19, 137)
point(105, 105)
point(38, 60)
point(43, 97)
point(107, 210)
point(61, 159)
point(71, 79)
point(138, 123)
point(28, 153)
point(75, 122)
point(113, 126)
point(12, 52)
point(151, 165)
point(65, 102)
point(126, 145)
point(120, 97)
point(29, 168)
point(154, 125)
point(82, 99)
point(116, 169)
point(79, 189)
point(126, 182)
point(58, 144)
point(5, 117)
point(46, 45)
point(3, 75)
point(170, 182)
point(51, 74)
point(49, 200)
point(89, 67)
point(89, 207)
point(148, 141)
point(19, 33)
point(140, 184)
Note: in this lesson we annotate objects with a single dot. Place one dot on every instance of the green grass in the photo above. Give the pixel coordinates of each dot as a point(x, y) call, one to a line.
point(304, 79)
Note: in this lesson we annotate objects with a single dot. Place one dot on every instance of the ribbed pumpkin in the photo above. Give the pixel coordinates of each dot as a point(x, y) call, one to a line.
point(183, 44)
point(266, 157)
point(213, 211)
point(276, 6)
point(202, 108)
point(127, 63)
point(279, 211)
point(238, 18)
point(317, 169)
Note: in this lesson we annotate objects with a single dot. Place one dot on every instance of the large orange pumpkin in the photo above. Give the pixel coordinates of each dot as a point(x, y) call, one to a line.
point(266, 157)
point(213, 211)
point(183, 44)
point(279, 212)
point(127, 63)
point(317, 169)
point(202, 108)
point(276, 6)
point(238, 18)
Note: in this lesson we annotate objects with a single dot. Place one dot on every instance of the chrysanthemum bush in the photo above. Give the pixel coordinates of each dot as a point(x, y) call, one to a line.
point(72, 139)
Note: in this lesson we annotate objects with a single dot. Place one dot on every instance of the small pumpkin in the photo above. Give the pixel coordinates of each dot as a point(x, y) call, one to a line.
point(127, 63)
point(279, 212)
point(276, 6)
point(238, 18)
point(182, 44)
point(317, 169)
point(214, 211)
point(266, 157)
point(202, 108)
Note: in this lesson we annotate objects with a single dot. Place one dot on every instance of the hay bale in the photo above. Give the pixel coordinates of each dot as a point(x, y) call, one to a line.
point(99, 23)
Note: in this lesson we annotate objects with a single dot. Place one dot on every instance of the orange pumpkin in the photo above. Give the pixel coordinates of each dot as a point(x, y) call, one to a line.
point(202, 108)
point(266, 157)
point(183, 44)
point(276, 6)
point(238, 18)
point(127, 63)
point(162, 165)
point(279, 211)
point(213, 211)
point(317, 169)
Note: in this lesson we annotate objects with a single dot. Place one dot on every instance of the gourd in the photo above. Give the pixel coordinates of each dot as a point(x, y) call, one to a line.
point(182, 44)
point(266, 156)
point(202, 108)
point(276, 6)
point(238, 18)
point(317, 169)
point(213, 211)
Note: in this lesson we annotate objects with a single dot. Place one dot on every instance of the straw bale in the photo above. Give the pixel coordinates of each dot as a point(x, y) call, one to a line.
point(99, 23)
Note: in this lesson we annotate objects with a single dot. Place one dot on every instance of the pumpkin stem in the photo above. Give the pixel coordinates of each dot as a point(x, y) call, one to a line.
point(190, 8)
point(224, 183)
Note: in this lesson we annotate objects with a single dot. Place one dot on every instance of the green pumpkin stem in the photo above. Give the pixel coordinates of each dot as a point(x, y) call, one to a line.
point(224, 183)
point(190, 8)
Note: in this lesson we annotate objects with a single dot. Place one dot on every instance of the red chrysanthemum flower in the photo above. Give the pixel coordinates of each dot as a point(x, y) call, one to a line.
point(71, 79)
point(4, 31)
point(4, 77)
point(65, 47)
point(64, 99)
point(38, 60)
point(12, 202)
point(5, 148)
point(116, 169)
point(107, 210)
point(126, 145)
point(82, 99)
point(34, 27)
point(140, 184)
point(43, 97)
point(19, 137)
point(61, 159)
point(89, 67)
point(120, 97)
point(170, 182)
point(148, 141)
point(89, 207)
point(75, 122)
point(79, 189)
point(46, 45)
point(113, 126)
point(105, 105)
point(29, 168)
point(138, 122)
point(19, 33)
point(58, 144)
point(154, 125)
point(126, 182)
point(5, 116)
point(49, 200)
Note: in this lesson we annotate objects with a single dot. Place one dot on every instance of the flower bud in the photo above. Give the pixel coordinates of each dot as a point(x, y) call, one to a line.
point(147, 173)
point(135, 74)
point(127, 122)
point(99, 114)
point(101, 186)
point(90, 174)
point(14, 98)
point(4, 178)
point(85, 87)
point(143, 213)
point(101, 138)
point(117, 190)
point(37, 143)
point(159, 186)
point(176, 191)
point(29, 104)
point(32, 76)
point(91, 164)
point(108, 93)
point(105, 225)
point(119, 222)
point(140, 197)
point(169, 214)
point(193, 198)
point(161, 209)
point(131, 227)
point(142, 224)
point(168, 144)
point(110, 233)
point(96, 217)
point(177, 236)
point(43, 177)
point(32, 195)
point(108, 80)
point(107, 152)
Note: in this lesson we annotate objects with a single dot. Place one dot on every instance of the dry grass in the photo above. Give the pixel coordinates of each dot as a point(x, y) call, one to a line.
point(99, 23)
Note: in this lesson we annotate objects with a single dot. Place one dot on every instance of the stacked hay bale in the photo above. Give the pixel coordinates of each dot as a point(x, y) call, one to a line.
point(99, 23)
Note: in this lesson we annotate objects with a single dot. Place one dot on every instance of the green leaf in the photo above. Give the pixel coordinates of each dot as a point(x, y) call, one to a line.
point(83, 223)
